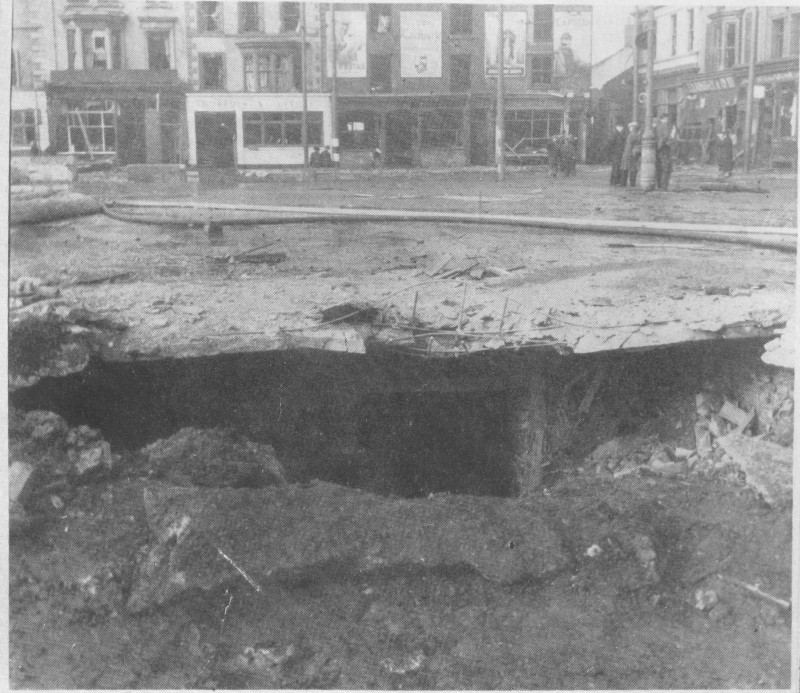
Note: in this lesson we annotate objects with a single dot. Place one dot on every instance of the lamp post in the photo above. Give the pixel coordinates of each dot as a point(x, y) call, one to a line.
point(751, 78)
point(647, 174)
point(334, 92)
point(500, 132)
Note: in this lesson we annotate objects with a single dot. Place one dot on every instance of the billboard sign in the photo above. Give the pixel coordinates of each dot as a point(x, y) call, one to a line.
point(572, 39)
point(351, 43)
point(420, 44)
point(514, 40)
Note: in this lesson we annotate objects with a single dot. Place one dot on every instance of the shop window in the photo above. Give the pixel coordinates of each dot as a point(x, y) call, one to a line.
point(290, 16)
point(794, 34)
point(441, 128)
point(673, 39)
point(209, 17)
point(529, 130)
point(95, 122)
point(280, 129)
point(23, 127)
point(690, 32)
point(358, 131)
point(461, 19)
point(251, 17)
point(270, 71)
point(380, 73)
point(730, 44)
point(543, 22)
point(460, 73)
point(778, 30)
point(380, 17)
point(786, 95)
point(212, 71)
point(541, 69)
point(158, 50)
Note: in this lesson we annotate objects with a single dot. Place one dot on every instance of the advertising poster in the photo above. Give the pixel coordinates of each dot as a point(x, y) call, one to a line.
point(514, 37)
point(351, 43)
point(572, 38)
point(420, 44)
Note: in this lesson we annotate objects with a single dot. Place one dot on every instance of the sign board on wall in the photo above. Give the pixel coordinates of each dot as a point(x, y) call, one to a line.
point(572, 39)
point(514, 40)
point(351, 43)
point(420, 44)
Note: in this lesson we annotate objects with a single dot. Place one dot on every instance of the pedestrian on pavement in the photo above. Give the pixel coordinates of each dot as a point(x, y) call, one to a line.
point(711, 147)
point(569, 154)
point(554, 155)
point(664, 144)
point(616, 148)
point(313, 160)
point(725, 155)
point(325, 158)
point(632, 155)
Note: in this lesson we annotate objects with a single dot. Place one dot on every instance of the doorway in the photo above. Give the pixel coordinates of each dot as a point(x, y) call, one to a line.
point(216, 139)
point(400, 134)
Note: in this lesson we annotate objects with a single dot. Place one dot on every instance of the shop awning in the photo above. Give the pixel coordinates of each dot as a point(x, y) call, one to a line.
point(113, 83)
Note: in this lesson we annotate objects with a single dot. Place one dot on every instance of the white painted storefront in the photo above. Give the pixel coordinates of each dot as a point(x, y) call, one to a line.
point(264, 153)
point(28, 120)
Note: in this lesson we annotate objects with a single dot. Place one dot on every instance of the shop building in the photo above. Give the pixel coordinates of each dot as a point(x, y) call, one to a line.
point(246, 78)
point(418, 81)
point(120, 88)
point(33, 57)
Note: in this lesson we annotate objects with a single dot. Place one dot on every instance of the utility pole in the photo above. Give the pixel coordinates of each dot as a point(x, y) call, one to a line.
point(334, 113)
point(304, 79)
point(647, 175)
point(751, 78)
point(636, 30)
point(500, 131)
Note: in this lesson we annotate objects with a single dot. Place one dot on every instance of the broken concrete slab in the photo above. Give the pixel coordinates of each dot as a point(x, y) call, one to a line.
point(768, 466)
point(204, 538)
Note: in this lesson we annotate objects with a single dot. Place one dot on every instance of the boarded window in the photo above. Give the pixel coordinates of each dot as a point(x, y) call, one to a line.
point(358, 130)
point(212, 71)
point(461, 19)
point(441, 128)
point(460, 73)
point(280, 129)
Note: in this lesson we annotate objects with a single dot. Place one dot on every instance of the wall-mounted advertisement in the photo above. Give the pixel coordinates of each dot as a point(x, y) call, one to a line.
point(420, 44)
point(514, 38)
point(572, 39)
point(351, 44)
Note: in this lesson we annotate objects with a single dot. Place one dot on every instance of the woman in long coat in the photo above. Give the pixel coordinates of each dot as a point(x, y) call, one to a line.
point(631, 155)
point(725, 155)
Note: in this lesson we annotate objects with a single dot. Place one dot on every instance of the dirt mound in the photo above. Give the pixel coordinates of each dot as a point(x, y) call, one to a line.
point(213, 458)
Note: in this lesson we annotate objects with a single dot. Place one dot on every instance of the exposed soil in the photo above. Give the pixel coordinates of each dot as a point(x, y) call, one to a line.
point(633, 601)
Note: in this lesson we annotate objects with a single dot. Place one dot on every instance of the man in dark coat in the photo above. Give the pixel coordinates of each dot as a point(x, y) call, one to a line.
point(725, 155)
point(616, 148)
point(554, 155)
point(632, 155)
point(664, 144)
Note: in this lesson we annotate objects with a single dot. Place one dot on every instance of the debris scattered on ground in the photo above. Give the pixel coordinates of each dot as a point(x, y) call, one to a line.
point(767, 466)
point(212, 457)
point(350, 313)
point(63, 205)
point(731, 188)
point(296, 527)
point(757, 591)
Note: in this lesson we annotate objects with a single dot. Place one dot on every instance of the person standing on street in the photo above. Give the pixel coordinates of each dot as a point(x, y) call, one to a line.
point(569, 154)
point(725, 155)
point(664, 142)
point(616, 148)
point(632, 155)
point(554, 155)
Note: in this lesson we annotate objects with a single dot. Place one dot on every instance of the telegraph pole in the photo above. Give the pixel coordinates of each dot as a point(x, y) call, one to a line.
point(751, 78)
point(501, 116)
point(304, 79)
point(647, 175)
point(637, 28)
point(334, 114)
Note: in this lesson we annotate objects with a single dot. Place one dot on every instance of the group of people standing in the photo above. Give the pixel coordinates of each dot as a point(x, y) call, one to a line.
point(625, 153)
point(320, 159)
point(562, 154)
point(720, 151)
